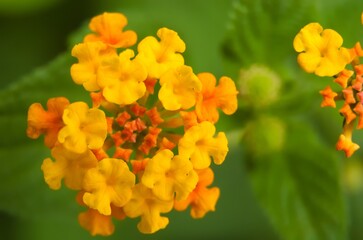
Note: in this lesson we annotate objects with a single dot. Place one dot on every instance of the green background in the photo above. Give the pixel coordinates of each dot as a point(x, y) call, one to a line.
point(298, 191)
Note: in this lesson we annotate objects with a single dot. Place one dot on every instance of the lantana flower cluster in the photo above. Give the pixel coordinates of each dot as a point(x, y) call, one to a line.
point(146, 144)
point(321, 52)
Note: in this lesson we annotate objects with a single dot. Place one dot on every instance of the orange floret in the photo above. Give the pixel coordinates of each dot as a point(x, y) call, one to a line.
point(212, 97)
point(345, 141)
point(150, 140)
point(96, 223)
point(349, 95)
point(154, 116)
point(47, 122)
point(108, 28)
point(347, 112)
point(358, 109)
point(343, 77)
point(328, 97)
point(202, 199)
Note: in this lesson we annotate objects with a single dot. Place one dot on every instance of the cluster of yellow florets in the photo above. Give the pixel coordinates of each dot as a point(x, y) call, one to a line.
point(321, 52)
point(146, 145)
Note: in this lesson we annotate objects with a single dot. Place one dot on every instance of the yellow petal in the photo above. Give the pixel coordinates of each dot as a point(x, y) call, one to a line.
point(179, 87)
point(122, 79)
point(84, 128)
point(159, 57)
point(145, 204)
point(199, 145)
point(110, 182)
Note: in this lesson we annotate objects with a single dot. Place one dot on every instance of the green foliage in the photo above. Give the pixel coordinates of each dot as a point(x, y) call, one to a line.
point(24, 6)
point(46, 82)
point(262, 31)
point(300, 187)
point(22, 189)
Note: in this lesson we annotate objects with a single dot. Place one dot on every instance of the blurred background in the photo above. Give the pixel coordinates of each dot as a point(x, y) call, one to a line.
point(282, 179)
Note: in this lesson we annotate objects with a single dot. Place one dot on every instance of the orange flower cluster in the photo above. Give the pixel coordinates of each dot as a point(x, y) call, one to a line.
point(146, 145)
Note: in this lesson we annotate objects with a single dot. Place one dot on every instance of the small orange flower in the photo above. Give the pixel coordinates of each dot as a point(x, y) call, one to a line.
point(223, 96)
point(189, 118)
point(139, 165)
point(122, 153)
point(154, 116)
point(345, 141)
point(358, 69)
point(47, 122)
point(108, 28)
point(328, 97)
point(349, 95)
point(345, 144)
point(358, 109)
point(166, 144)
point(343, 77)
point(96, 223)
point(150, 140)
point(347, 112)
point(356, 51)
point(357, 83)
point(202, 199)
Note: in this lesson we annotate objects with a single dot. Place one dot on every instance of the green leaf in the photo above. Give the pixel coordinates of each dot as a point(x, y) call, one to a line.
point(300, 188)
point(22, 188)
point(49, 81)
point(262, 31)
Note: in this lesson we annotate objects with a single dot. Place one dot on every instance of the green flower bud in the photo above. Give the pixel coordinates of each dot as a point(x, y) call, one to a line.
point(259, 86)
point(263, 136)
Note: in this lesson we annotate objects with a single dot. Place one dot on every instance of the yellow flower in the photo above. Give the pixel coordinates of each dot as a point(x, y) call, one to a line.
point(223, 96)
point(47, 122)
point(320, 50)
point(167, 174)
point(159, 57)
point(179, 87)
point(110, 182)
point(199, 145)
point(122, 79)
point(90, 56)
point(202, 199)
point(119, 154)
point(145, 204)
point(109, 29)
point(68, 165)
point(84, 128)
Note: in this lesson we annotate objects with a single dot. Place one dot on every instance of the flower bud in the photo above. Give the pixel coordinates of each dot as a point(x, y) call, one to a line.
point(259, 86)
point(264, 136)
